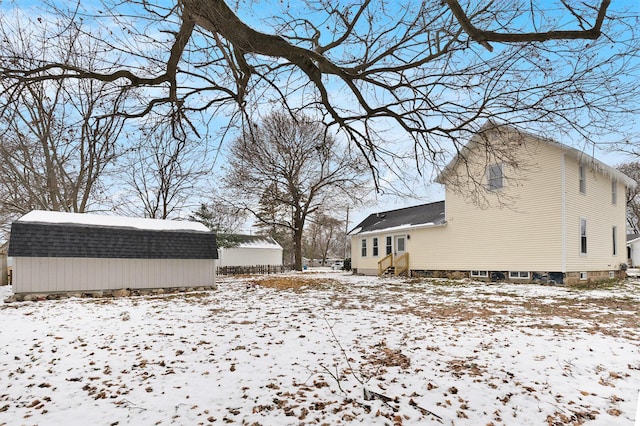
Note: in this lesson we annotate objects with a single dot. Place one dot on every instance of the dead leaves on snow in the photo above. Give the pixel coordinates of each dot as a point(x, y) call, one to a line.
point(283, 282)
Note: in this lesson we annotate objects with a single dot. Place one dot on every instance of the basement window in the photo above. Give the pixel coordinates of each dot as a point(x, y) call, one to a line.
point(519, 275)
point(583, 276)
point(479, 274)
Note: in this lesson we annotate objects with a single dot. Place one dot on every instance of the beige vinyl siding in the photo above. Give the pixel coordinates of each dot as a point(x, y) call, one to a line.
point(532, 224)
point(369, 265)
point(50, 274)
point(601, 214)
point(517, 228)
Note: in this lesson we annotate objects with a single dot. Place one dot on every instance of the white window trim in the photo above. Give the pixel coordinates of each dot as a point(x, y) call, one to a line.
point(363, 247)
point(586, 236)
point(498, 179)
point(614, 192)
point(582, 179)
point(583, 276)
point(375, 247)
point(388, 245)
point(614, 239)
point(480, 274)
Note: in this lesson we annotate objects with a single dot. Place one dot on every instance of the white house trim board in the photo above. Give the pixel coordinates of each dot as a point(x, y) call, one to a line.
point(401, 230)
point(563, 195)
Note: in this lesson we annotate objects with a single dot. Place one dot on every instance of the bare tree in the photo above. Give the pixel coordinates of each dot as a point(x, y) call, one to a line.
point(632, 196)
point(325, 237)
point(295, 167)
point(58, 138)
point(434, 70)
point(162, 173)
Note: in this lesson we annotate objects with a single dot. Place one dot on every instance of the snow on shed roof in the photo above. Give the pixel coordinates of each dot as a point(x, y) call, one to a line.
point(257, 242)
point(78, 235)
point(111, 221)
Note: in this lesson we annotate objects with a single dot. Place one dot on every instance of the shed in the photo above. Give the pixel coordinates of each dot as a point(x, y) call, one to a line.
point(76, 252)
point(633, 250)
point(251, 250)
point(4, 269)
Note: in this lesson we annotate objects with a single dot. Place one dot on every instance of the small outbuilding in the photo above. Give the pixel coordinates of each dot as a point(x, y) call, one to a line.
point(251, 250)
point(77, 252)
point(4, 269)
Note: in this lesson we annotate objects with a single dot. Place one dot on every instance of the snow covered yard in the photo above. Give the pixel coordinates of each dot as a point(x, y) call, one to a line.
point(326, 348)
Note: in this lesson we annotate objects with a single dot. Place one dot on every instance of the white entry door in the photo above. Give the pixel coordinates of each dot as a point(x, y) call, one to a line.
point(400, 245)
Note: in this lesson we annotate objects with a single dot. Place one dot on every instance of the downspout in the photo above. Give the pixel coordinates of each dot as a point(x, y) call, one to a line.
point(563, 220)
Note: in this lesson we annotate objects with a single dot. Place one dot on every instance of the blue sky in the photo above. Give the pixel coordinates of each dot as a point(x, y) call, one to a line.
point(254, 11)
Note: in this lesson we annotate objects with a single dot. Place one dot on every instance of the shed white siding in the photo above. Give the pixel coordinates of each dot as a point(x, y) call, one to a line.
point(634, 247)
point(56, 274)
point(249, 256)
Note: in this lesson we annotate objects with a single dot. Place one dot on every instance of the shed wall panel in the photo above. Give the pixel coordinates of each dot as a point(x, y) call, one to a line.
point(247, 256)
point(43, 275)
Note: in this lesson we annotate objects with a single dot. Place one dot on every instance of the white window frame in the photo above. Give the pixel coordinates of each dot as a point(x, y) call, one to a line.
point(520, 275)
point(583, 179)
point(614, 192)
point(495, 177)
point(388, 245)
point(363, 247)
point(584, 276)
point(612, 274)
point(584, 248)
point(614, 240)
point(374, 247)
point(479, 274)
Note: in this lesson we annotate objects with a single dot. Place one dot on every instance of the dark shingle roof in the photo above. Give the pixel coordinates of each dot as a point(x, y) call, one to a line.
point(36, 239)
point(432, 213)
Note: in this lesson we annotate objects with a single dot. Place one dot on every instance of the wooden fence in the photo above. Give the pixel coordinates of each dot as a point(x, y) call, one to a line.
point(257, 269)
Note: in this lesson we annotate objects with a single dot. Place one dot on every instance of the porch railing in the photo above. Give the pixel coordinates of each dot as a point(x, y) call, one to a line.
point(402, 264)
point(384, 264)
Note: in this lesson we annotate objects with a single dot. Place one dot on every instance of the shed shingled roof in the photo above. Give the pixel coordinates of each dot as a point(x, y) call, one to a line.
point(423, 214)
point(82, 240)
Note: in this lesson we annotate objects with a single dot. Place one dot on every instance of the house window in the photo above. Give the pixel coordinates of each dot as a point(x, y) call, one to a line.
point(363, 249)
point(519, 275)
point(614, 240)
point(479, 274)
point(374, 246)
point(583, 236)
point(583, 276)
point(494, 177)
point(389, 245)
point(583, 179)
point(614, 192)
point(612, 274)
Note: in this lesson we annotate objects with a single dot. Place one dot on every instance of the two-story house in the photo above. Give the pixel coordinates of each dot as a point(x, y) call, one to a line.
point(517, 207)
